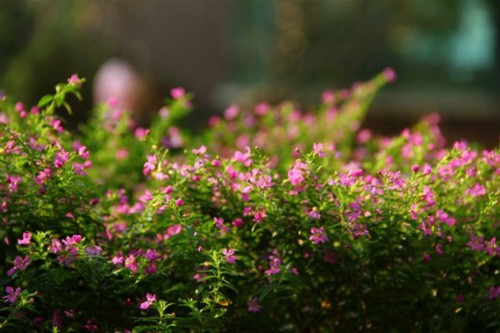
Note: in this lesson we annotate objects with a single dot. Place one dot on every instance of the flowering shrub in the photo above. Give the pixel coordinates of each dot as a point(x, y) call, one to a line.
point(273, 220)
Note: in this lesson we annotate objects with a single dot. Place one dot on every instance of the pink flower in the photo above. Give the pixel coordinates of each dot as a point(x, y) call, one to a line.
point(19, 107)
point(74, 80)
point(318, 149)
point(60, 158)
point(141, 133)
point(150, 298)
point(26, 239)
point(253, 305)
point(117, 259)
point(295, 176)
point(414, 211)
point(69, 241)
point(83, 152)
point(56, 246)
point(11, 294)
point(131, 263)
point(443, 217)
point(229, 255)
point(318, 235)
point(177, 93)
point(389, 74)
point(57, 125)
point(173, 230)
point(231, 112)
point(90, 325)
point(476, 191)
point(200, 151)
point(238, 223)
point(243, 157)
point(259, 216)
point(43, 176)
point(261, 109)
point(328, 97)
point(13, 182)
point(150, 165)
point(179, 202)
point(363, 136)
point(439, 249)
point(164, 112)
point(147, 196)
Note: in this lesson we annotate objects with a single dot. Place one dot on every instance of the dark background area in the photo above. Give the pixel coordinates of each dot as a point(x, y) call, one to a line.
point(446, 54)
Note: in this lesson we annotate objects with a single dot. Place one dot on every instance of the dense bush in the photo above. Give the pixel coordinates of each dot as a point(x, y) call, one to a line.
point(273, 220)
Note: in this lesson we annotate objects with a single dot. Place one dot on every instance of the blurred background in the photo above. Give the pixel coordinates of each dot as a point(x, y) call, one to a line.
point(446, 54)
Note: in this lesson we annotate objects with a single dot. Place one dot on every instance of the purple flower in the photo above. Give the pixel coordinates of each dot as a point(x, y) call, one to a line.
point(439, 249)
point(150, 298)
point(151, 255)
point(475, 243)
point(494, 292)
point(318, 235)
point(491, 247)
point(79, 169)
point(253, 305)
point(229, 255)
point(11, 294)
point(93, 250)
point(274, 263)
point(20, 264)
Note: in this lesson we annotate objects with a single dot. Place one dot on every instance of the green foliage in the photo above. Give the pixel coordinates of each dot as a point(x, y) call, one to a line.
point(273, 220)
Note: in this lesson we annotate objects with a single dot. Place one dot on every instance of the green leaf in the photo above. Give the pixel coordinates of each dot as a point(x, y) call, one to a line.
point(59, 99)
point(68, 107)
point(45, 100)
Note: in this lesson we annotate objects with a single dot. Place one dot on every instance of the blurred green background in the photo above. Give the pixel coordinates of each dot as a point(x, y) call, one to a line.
point(446, 54)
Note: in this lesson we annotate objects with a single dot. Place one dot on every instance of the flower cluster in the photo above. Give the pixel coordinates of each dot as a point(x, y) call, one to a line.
point(274, 218)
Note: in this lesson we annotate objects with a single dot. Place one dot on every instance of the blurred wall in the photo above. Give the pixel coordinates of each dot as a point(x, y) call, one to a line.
point(446, 53)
